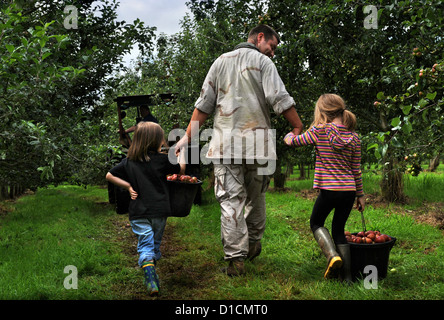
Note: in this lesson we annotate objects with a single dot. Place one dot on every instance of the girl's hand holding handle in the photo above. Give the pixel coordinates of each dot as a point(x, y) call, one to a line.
point(360, 203)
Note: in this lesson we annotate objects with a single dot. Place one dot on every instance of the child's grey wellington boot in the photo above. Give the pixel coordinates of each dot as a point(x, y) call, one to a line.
point(325, 241)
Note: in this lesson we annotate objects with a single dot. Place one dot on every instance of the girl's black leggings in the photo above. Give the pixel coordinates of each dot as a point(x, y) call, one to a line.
point(342, 202)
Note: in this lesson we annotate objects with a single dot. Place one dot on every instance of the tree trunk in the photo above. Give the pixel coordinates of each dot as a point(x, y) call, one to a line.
point(289, 170)
point(279, 177)
point(3, 192)
point(211, 179)
point(434, 163)
point(392, 183)
point(11, 192)
point(301, 171)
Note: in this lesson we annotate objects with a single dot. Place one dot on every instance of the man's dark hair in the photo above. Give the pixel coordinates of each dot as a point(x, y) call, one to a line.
point(266, 30)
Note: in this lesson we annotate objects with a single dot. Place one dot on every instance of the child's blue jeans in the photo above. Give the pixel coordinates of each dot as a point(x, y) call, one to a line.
point(149, 233)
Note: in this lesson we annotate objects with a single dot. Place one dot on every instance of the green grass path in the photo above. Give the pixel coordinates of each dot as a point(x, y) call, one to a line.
point(69, 226)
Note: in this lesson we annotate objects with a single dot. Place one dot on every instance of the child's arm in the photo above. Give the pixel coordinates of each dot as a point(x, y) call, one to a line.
point(307, 138)
point(356, 169)
point(122, 183)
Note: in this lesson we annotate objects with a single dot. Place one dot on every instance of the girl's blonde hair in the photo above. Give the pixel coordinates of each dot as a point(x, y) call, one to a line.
point(330, 106)
point(148, 136)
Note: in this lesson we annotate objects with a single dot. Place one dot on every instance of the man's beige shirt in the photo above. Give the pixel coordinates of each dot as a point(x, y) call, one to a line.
point(240, 89)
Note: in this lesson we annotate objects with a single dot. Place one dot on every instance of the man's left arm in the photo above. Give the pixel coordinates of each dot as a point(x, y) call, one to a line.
point(295, 121)
point(277, 96)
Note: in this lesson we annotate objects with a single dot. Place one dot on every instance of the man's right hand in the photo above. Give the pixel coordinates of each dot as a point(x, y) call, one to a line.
point(182, 143)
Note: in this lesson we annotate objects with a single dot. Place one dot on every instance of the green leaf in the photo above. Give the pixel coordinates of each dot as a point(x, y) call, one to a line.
point(42, 42)
point(384, 150)
point(48, 24)
point(377, 154)
point(371, 146)
point(406, 109)
point(395, 122)
point(423, 102)
point(24, 42)
point(10, 48)
point(424, 115)
point(380, 96)
point(381, 135)
point(431, 96)
point(397, 143)
point(407, 127)
point(46, 55)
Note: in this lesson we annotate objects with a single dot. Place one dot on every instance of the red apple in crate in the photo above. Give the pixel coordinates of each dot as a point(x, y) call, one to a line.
point(358, 240)
point(368, 240)
point(194, 180)
point(367, 237)
point(371, 236)
point(172, 177)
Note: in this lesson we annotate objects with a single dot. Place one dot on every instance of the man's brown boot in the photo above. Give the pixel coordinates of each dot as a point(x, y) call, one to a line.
point(235, 268)
point(254, 250)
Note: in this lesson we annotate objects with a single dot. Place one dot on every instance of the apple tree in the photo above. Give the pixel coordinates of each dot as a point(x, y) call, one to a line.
point(26, 77)
point(412, 113)
point(53, 126)
point(363, 53)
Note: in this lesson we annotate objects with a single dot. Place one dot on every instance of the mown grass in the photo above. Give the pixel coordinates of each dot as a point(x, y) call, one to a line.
point(55, 228)
point(43, 233)
point(291, 264)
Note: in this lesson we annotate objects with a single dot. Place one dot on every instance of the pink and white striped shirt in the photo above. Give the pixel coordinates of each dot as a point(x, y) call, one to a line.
point(338, 156)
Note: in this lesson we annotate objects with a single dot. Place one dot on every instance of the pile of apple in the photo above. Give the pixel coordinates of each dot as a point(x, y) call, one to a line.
point(182, 178)
point(367, 237)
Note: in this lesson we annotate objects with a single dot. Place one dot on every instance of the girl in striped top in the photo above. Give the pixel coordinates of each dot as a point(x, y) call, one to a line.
point(337, 175)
